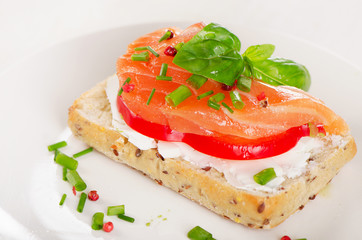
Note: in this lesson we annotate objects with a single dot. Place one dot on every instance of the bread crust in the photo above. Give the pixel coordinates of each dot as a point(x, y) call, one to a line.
point(90, 120)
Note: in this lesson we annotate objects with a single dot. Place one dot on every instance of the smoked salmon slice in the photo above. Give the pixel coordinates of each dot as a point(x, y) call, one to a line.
point(287, 107)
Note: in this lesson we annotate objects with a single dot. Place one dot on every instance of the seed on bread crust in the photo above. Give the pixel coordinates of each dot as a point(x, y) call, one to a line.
point(261, 207)
point(138, 152)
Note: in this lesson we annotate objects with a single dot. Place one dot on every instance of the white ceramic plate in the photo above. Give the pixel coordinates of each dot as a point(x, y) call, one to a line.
point(35, 96)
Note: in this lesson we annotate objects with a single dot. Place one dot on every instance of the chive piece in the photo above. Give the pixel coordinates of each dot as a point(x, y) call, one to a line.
point(65, 170)
point(227, 107)
point(97, 221)
point(178, 96)
point(196, 81)
point(164, 78)
point(301, 239)
point(82, 199)
point(150, 97)
point(265, 176)
point(88, 150)
point(143, 56)
point(213, 105)
point(153, 51)
point(66, 161)
point(198, 233)
point(243, 83)
point(126, 218)
point(76, 180)
point(63, 199)
point(125, 82)
point(57, 145)
point(140, 48)
point(147, 48)
point(165, 36)
point(178, 46)
point(163, 70)
point(218, 97)
point(115, 210)
point(205, 94)
point(236, 100)
point(56, 154)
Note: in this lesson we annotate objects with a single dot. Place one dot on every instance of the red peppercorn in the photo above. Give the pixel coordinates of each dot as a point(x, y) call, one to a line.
point(261, 96)
point(226, 87)
point(74, 192)
point(128, 87)
point(170, 51)
point(108, 226)
point(93, 195)
point(171, 35)
point(285, 238)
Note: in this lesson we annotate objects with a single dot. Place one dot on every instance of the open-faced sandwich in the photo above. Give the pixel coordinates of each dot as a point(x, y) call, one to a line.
point(236, 133)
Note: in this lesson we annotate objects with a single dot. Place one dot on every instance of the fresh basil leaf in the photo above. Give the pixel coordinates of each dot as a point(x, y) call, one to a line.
point(259, 52)
point(212, 53)
point(280, 71)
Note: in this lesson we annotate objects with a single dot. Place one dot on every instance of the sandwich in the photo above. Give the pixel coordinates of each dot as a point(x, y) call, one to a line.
point(236, 133)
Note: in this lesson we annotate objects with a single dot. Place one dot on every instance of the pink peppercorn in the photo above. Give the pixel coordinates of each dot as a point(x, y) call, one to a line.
point(285, 238)
point(108, 226)
point(170, 51)
point(128, 87)
point(261, 96)
point(93, 195)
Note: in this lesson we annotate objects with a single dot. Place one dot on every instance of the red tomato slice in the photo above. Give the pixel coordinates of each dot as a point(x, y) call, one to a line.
point(227, 147)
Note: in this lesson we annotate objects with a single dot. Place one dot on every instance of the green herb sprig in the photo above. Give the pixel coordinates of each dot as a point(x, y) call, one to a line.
point(214, 53)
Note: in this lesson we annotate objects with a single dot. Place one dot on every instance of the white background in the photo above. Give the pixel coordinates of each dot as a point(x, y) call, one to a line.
point(26, 26)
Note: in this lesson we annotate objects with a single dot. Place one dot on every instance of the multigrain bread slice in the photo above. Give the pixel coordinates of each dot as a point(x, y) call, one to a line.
point(90, 119)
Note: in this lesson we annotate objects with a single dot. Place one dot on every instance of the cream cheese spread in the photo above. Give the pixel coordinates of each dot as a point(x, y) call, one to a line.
point(237, 173)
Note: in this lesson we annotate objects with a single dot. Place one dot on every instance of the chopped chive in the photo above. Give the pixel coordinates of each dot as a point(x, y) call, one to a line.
point(88, 150)
point(66, 161)
point(153, 51)
point(178, 96)
point(65, 170)
point(125, 82)
point(265, 176)
point(164, 78)
point(97, 221)
point(126, 218)
point(163, 70)
point(198, 233)
point(236, 100)
point(115, 210)
point(57, 145)
point(141, 48)
point(205, 94)
point(75, 180)
point(82, 199)
point(243, 83)
point(179, 46)
point(143, 56)
point(213, 105)
point(218, 97)
point(165, 36)
point(196, 81)
point(150, 97)
point(63, 199)
point(227, 107)
point(55, 154)
point(147, 48)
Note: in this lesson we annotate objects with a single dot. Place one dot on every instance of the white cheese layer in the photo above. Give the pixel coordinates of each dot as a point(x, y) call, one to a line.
point(237, 173)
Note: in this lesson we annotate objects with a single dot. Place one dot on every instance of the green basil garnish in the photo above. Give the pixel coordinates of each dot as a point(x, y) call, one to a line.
point(259, 52)
point(280, 71)
point(212, 53)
